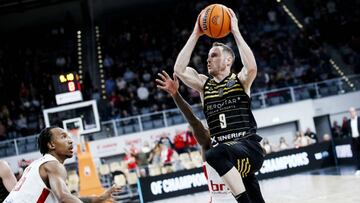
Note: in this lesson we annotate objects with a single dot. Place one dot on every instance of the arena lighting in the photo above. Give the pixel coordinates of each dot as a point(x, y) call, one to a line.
point(291, 15)
point(341, 73)
point(100, 61)
point(79, 32)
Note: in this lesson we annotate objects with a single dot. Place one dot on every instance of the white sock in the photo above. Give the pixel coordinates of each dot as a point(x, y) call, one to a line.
point(234, 182)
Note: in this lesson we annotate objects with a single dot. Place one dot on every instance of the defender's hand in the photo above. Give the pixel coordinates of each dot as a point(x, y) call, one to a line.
point(167, 84)
point(107, 194)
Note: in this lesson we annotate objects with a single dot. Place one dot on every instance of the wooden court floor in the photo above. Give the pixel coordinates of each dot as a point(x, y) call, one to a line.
point(331, 185)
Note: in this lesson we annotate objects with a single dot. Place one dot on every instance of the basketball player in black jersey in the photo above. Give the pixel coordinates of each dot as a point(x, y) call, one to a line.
point(236, 153)
point(7, 180)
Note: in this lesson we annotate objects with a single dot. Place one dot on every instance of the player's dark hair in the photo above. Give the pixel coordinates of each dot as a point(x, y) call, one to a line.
point(44, 138)
point(226, 49)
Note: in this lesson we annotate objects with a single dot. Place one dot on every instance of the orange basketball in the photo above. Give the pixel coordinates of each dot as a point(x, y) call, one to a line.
point(214, 21)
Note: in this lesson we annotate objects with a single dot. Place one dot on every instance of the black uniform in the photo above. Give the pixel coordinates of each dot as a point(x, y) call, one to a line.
point(3, 191)
point(232, 127)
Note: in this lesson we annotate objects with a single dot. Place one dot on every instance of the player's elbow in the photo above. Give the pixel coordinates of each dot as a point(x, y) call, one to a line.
point(179, 69)
point(252, 70)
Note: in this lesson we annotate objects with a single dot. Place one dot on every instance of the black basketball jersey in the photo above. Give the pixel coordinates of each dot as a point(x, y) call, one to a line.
point(227, 109)
point(3, 191)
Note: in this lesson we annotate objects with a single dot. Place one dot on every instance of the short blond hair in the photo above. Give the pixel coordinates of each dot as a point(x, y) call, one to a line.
point(226, 49)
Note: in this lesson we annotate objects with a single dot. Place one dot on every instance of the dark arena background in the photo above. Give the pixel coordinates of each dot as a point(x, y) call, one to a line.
point(89, 66)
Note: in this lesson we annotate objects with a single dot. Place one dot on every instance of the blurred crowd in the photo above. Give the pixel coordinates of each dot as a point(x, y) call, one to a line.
point(334, 22)
point(136, 47)
point(28, 59)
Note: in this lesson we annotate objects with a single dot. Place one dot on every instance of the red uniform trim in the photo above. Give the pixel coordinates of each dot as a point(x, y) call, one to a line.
point(43, 196)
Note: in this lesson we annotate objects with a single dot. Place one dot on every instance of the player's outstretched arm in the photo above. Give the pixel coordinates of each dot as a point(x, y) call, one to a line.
point(57, 176)
point(187, 74)
point(171, 86)
point(102, 198)
point(7, 176)
point(248, 72)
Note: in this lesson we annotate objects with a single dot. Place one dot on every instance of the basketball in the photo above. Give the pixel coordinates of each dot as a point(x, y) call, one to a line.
point(214, 21)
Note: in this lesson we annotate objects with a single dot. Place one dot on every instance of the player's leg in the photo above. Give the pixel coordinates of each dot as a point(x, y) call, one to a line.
point(253, 188)
point(248, 165)
point(221, 159)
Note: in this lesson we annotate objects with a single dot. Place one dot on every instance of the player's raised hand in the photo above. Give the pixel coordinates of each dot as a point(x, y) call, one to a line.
point(166, 83)
point(197, 30)
point(234, 21)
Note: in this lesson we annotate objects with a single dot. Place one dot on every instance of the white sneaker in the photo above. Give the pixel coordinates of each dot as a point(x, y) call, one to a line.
point(357, 173)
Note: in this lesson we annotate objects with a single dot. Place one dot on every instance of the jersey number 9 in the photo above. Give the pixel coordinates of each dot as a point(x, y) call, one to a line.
point(222, 120)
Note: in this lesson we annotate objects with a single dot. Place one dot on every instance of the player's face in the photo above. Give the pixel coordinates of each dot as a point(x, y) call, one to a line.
point(63, 142)
point(215, 61)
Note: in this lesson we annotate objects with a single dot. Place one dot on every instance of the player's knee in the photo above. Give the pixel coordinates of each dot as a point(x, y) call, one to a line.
point(218, 158)
point(216, 154)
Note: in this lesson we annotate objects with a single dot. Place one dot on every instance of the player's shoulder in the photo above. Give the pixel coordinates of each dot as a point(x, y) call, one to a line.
point(4, 166)
point(53, 166)
point(3, 163)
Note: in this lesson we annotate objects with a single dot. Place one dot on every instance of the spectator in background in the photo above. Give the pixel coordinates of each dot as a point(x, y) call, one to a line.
point(354, 124)
point(311, 134)
point(301, 140)
point(130, 159)
point(282, 144)
point(142, 92)
point(109, 86)
point(168, 154)
point(345, 127)
point(21, 124)
point(179, 142)
point(142, 159)
point(266, 145)
point(155, 155)
point(108, 61)
point(336, 130)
